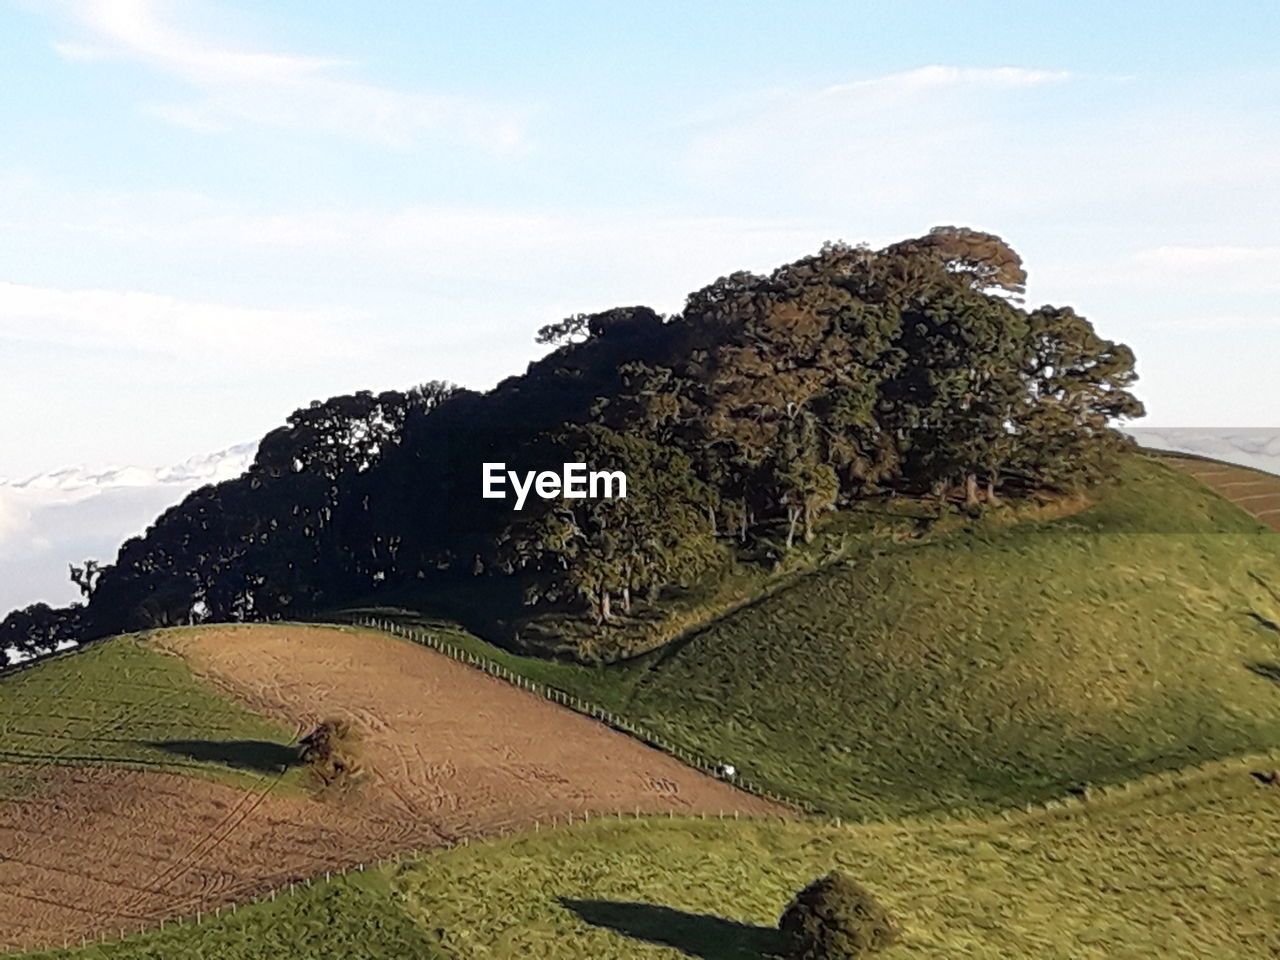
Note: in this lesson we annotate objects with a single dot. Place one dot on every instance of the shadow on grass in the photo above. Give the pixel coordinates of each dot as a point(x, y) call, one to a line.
point(1264, 622)
point(696, 935)
point(264, 756)
point(1267, 671)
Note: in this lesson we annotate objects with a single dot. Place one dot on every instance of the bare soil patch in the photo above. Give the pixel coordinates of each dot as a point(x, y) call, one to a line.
point(1251, 490)
point(449, 752)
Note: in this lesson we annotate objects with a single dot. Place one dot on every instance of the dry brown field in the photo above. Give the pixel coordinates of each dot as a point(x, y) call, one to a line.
point(1252, 490)
point(449, 753)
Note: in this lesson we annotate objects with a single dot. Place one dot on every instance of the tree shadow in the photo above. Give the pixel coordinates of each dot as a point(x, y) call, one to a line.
point(696, 935)
point(1264, 622)
point(263, 756)
point(1268, 671)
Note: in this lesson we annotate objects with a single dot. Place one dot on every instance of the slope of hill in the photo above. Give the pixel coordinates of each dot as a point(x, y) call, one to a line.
point(125, 704)
point(1179, 867)
point(998, 666)
point(1184, 871)
point(1253, 491)
point(102, 830)
point(986, 667)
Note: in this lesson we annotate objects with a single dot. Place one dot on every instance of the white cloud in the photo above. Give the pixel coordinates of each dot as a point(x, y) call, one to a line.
point(133, 26)
point(418, 251)
point(936, 77)
point(153, 325)
point(279, 90)
point(920, 137)
point(67, 515)
point(1223, 322)
point(1021, 151)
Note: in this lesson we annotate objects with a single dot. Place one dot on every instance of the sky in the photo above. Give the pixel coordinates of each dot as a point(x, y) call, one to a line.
point(213, 213)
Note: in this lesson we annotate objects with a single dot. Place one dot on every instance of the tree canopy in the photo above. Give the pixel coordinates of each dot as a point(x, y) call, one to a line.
point(768, 400)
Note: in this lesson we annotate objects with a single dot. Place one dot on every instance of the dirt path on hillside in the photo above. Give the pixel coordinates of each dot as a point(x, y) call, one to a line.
point(451, 753)
point(1252, 490)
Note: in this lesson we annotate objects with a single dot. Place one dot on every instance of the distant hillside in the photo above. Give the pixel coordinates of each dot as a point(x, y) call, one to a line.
point(1256, 447)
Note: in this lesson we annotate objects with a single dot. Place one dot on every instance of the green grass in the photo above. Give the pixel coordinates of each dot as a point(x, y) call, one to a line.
point(354, 917)
point(995, 666)
point(1183, 872)
point(989, 666)
point(1179, 868)
point(120, 702)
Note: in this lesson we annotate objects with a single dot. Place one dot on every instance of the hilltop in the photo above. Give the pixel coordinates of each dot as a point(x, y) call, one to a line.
point(883, 552)
point(905, 379)
point(955, 671)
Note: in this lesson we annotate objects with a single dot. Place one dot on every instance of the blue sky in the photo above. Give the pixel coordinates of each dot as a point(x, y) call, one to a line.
point(214, 213)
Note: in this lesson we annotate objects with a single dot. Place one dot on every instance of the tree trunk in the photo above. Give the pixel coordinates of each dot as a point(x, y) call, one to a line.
point(971, 489)
point(626, 599)
point(793, 515)
point(605, 611)
point(808, 524)
point(711, 516)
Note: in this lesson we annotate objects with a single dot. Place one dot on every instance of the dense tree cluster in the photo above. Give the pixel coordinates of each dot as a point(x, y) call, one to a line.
point(913, 370)
point(39, 629)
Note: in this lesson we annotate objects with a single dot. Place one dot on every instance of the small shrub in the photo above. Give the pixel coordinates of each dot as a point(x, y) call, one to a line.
point(330, 752)
point(834, 918)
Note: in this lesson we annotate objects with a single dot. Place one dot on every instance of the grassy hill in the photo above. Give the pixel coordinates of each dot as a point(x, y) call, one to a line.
point(353, 917)
point(119, 702)
point(1182, 867)
point(989, 666)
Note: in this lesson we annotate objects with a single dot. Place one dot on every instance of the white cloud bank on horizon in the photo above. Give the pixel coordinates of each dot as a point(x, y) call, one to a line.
point(279, 90)
point(1257, 447)
point(76, 513)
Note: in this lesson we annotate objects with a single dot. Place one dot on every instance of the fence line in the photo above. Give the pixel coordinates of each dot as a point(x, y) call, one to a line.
point(1095, 796)
point(585, 707)
point(293, 888)
point(1151, 784)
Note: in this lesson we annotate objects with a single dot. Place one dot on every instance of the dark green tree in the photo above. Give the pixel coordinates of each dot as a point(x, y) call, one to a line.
point(834, 918)
point(599, 550)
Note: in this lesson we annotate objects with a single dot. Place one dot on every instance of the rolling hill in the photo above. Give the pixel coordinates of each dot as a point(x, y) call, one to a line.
point(988, 666)
point(151, 778)
point(1174, 867)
